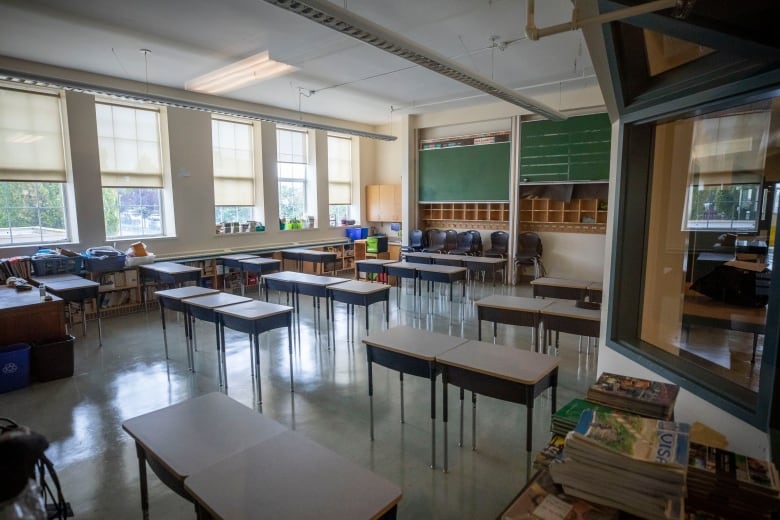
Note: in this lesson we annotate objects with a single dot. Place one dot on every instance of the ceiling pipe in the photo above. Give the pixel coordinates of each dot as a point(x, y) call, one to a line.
point(534, 33)
point(346, 22)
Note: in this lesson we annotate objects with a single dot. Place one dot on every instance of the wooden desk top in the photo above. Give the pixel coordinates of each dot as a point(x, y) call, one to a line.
point(169, 268)
point(253, 310)
point(561, 282)
point(181, 293)
point(64, 282)
point(237, 256)
point(412, 342)
point(199, 432)
point(289, 476)
point(10, 298)
point(569, 309)
point(508, 363)
point(356, 287)
point(513, 303)
point(212, 301)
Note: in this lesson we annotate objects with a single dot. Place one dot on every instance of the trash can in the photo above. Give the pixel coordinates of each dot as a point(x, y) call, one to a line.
point(14, 366)
point(52, 359)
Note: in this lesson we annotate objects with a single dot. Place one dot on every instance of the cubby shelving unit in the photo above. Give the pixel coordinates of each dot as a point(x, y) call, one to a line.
point(576, 216)
point(467, 215)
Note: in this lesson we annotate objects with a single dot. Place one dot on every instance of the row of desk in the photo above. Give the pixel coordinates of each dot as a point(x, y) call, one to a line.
point(235, 463)
point(495, 371)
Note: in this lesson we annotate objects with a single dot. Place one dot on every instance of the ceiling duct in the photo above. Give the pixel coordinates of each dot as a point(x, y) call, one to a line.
point(344, 21)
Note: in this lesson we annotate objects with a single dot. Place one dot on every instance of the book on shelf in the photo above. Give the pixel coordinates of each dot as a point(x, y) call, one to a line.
point(724, 482)
point(552, 452)
point(635, 395)
point(542, 499)
point(565, 419)
point(626, 461)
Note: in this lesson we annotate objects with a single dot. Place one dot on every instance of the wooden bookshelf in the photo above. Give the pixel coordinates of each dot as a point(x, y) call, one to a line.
point(466, 215)
point(577, 216)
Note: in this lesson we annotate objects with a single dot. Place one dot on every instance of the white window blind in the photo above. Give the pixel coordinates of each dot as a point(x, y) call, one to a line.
point(234, 171)
point(31, 140)
point(339, 170)
point(129, 143)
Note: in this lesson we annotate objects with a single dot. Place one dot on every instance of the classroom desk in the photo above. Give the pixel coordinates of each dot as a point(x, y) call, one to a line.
point(168, 273)
point(25, 317)
point(567, 317)
point(172, 299)
point(595, 290)
point(512, 310)
point(316, 287)
point(411, 351)
point(234, 262)
point(403, 270)
point(562, 288)
point(699, 309)
point(418, 258)
point(74, 289)
point(187, 437)
point(448, 274)
point(289, 476)
point(260, 266)
point(485, 264)
point(204, 308)
point(373, 266)
point(317, 258)
point(359, 293)
point(505, 373)
point(254, 318)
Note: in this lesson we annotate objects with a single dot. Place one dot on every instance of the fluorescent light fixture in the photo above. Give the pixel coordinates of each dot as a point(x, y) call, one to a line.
point(344, 21)
point(259, 67)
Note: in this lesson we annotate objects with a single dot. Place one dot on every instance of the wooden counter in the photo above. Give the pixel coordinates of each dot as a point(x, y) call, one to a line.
point(24, 318)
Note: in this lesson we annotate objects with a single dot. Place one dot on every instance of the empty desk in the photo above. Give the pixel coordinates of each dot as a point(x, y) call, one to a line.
point(568, 317)
point(172, 299)
point(512, 310)
point(289, 476)
point(485, 264)
point(563, 288)
point(500, 372)
point(371, 266)
point(74, 289)
point(254, 318)
point(203, 308)
point(409, 351)
point(234, 262)
point(359, 293)
point(169, 273)
point(445, 274)
point(184, 438)
point(316, 287)
point(319, 259)
point(283, 281)
point(260, 266)
point(419, 258)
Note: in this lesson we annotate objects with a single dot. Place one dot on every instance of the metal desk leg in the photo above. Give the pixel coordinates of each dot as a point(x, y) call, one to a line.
point(165, 336)
point(473, 421)
point(432, 370)
point(257, 367)
point(460, 437)
point(444, 416)
point(401, 378)
point(370, 391)
point(290, 349)
point(221, 357)
point(142, 480)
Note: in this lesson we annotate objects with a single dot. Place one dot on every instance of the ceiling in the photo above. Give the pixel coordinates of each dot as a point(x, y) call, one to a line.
point(337, 76)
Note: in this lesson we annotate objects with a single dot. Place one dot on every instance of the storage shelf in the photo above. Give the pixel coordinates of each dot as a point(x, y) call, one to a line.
point(577, 216)
point(467, 215)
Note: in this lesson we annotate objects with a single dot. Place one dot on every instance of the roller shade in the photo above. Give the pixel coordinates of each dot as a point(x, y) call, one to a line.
point(339, 170)
point(234, 172)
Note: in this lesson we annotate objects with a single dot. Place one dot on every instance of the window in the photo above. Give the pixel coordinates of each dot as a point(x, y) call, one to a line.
point(292, 162)
point(32, 169)
point(339, 179)
point(131, 167)
point(234, 170)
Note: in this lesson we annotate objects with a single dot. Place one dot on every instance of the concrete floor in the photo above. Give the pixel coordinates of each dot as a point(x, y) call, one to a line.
point(129, 375)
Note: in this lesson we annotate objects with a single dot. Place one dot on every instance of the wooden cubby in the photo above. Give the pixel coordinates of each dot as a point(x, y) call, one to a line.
point(467, 215)
point(576, 216)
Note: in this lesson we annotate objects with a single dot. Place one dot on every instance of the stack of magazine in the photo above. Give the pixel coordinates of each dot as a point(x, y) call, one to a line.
point(635, 395)
point(628, 462)
point(732, 485)
point(565, 419)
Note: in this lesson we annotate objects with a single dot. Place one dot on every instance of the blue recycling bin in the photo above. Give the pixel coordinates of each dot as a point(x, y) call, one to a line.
point(14, 366)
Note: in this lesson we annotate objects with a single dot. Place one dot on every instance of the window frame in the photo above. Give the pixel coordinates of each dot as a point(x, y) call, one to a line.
point(305, 164)
point(337, 216)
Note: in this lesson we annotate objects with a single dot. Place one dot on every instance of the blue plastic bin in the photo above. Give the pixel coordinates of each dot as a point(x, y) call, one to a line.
point(357, 233)
point(14, 366)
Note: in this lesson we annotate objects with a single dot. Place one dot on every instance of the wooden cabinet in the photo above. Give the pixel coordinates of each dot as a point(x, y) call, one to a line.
point(383, 203)
point(466, 215)
point(24, 318)
point(577, 216)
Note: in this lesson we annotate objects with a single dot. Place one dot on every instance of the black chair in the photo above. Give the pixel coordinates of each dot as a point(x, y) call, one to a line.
point(476, 243)
point(529, 252)
point(415, 242)
point(436, 241)
point(464, 244)
point(499, 244)
point(450, 240)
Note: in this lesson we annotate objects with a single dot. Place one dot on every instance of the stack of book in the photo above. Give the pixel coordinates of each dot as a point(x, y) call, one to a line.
point(635, 395)
point(565, 419)
point(541, 498)
point(628, 462)
point(732, 485)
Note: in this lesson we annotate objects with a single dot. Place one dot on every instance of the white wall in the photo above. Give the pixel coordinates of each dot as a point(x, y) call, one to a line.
point(574, 255)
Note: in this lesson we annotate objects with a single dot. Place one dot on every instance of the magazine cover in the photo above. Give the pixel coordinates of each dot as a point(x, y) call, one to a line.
point(724, 465)
point(624, 387)
point(636, 437)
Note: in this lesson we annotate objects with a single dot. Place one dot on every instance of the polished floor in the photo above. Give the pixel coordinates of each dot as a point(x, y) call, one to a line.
point(129, 375)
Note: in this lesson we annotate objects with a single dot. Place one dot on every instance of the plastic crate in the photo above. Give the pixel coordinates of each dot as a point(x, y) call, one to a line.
point(102, 264)
point(44, 266)
point(14, 366)
point(358, 233)
point(52, 359)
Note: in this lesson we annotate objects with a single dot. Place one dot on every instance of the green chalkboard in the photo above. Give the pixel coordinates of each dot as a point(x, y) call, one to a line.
point(576, 149)
point(465, 173)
